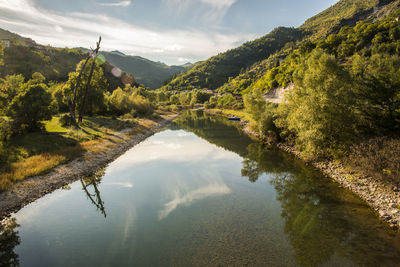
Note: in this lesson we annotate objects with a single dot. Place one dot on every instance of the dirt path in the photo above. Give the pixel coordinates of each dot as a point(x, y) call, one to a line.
point(107, 151)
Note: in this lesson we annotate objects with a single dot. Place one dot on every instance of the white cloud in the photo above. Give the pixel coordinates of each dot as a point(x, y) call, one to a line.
point(83, 29)
point(58, 29)
point(122, 4)
point(208, 11)
point(219, 3)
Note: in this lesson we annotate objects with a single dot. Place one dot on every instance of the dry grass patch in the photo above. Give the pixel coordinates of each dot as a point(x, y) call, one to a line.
point(36, 165)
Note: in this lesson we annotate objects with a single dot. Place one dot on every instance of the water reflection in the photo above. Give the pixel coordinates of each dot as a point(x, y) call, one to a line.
point(9, 239)
point(187, 198)
point(323, 221)
point(95, 197)
point(325, 224)
point(177, 200)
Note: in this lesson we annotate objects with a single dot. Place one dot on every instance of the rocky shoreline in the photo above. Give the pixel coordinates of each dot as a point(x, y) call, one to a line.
point(33, 188)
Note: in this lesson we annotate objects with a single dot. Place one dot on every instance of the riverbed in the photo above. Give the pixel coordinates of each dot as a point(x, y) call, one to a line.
point(199, 193)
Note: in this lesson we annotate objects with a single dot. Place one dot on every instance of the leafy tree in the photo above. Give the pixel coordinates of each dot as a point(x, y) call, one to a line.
point(261, 112)
point(29, 108)
point(98, 86)
point(10, 86)
point(378, 92)
point(121, 101)
point(319, 110)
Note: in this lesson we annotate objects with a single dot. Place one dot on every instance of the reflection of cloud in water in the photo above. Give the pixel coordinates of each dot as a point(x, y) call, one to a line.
point(189, 197)
point(183, 134)
point(169, 146)
point(174, 146)
point(126, 185)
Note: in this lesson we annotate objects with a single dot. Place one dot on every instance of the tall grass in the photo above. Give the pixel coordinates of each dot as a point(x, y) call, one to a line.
point(36, 165)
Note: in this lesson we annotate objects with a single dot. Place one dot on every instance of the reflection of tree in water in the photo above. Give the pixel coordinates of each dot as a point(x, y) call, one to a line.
point(322, 220)
point(94, 197)
point(9, 239)
point(215, 129)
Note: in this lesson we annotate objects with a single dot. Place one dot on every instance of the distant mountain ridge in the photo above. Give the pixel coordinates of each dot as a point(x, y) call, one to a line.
point(25, 56)
point(149, 73)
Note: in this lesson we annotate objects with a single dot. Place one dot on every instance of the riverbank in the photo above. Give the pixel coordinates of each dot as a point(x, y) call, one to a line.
point(101, 154)
point(381, 195)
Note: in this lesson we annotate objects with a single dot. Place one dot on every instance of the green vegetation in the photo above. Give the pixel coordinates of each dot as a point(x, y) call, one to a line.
point(36, 130)
point(344, 92)
point(346, 12)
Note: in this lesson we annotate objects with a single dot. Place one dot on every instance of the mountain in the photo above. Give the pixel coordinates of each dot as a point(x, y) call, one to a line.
point(330, 21)
point(7, 35)
point(217, 70)
point(25, 56)
point(234, 70)
point(149, 73)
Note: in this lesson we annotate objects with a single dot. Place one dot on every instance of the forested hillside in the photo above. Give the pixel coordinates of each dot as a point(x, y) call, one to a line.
point(217, 70)
point(330, 21)
point(149, 73)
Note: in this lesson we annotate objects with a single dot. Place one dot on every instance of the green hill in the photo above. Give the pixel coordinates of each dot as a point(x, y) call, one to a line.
point(330, 21)
point(25, 56)
point(149, 73)
point(217, 70)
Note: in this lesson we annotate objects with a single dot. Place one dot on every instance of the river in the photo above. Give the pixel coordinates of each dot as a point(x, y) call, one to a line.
point(200, 193)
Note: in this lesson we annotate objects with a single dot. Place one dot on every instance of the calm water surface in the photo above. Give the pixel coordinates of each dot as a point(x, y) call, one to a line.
point(200, 193)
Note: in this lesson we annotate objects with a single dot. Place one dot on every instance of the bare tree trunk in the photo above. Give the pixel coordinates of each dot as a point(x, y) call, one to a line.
point(82, 109)
point(72, 103)
point(94, 55)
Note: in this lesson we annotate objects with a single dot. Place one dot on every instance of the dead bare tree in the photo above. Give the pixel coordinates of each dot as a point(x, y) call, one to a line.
point(72, 103)
point(94, 55)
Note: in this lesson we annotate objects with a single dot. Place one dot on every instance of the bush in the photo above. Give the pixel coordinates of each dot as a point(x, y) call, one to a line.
point(142, 105)
point(29, 108)
point(377, 157)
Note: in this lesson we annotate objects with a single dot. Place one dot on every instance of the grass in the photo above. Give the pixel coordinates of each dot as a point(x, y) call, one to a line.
point(35, 165)
point(36, 153)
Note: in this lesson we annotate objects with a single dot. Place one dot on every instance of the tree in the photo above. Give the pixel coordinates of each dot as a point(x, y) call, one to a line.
point(10, 86)
point(29, 108)
point(73, 102)
point(319, 110)
point(89, 79)
point(378, 92)
point(94, 101)
point(2, 46)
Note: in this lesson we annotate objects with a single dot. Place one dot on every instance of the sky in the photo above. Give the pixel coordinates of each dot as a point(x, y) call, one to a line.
point(171, 31)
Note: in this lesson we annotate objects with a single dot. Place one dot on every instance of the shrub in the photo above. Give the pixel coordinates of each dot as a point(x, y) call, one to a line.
point(378, 157)
point(142, 105)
